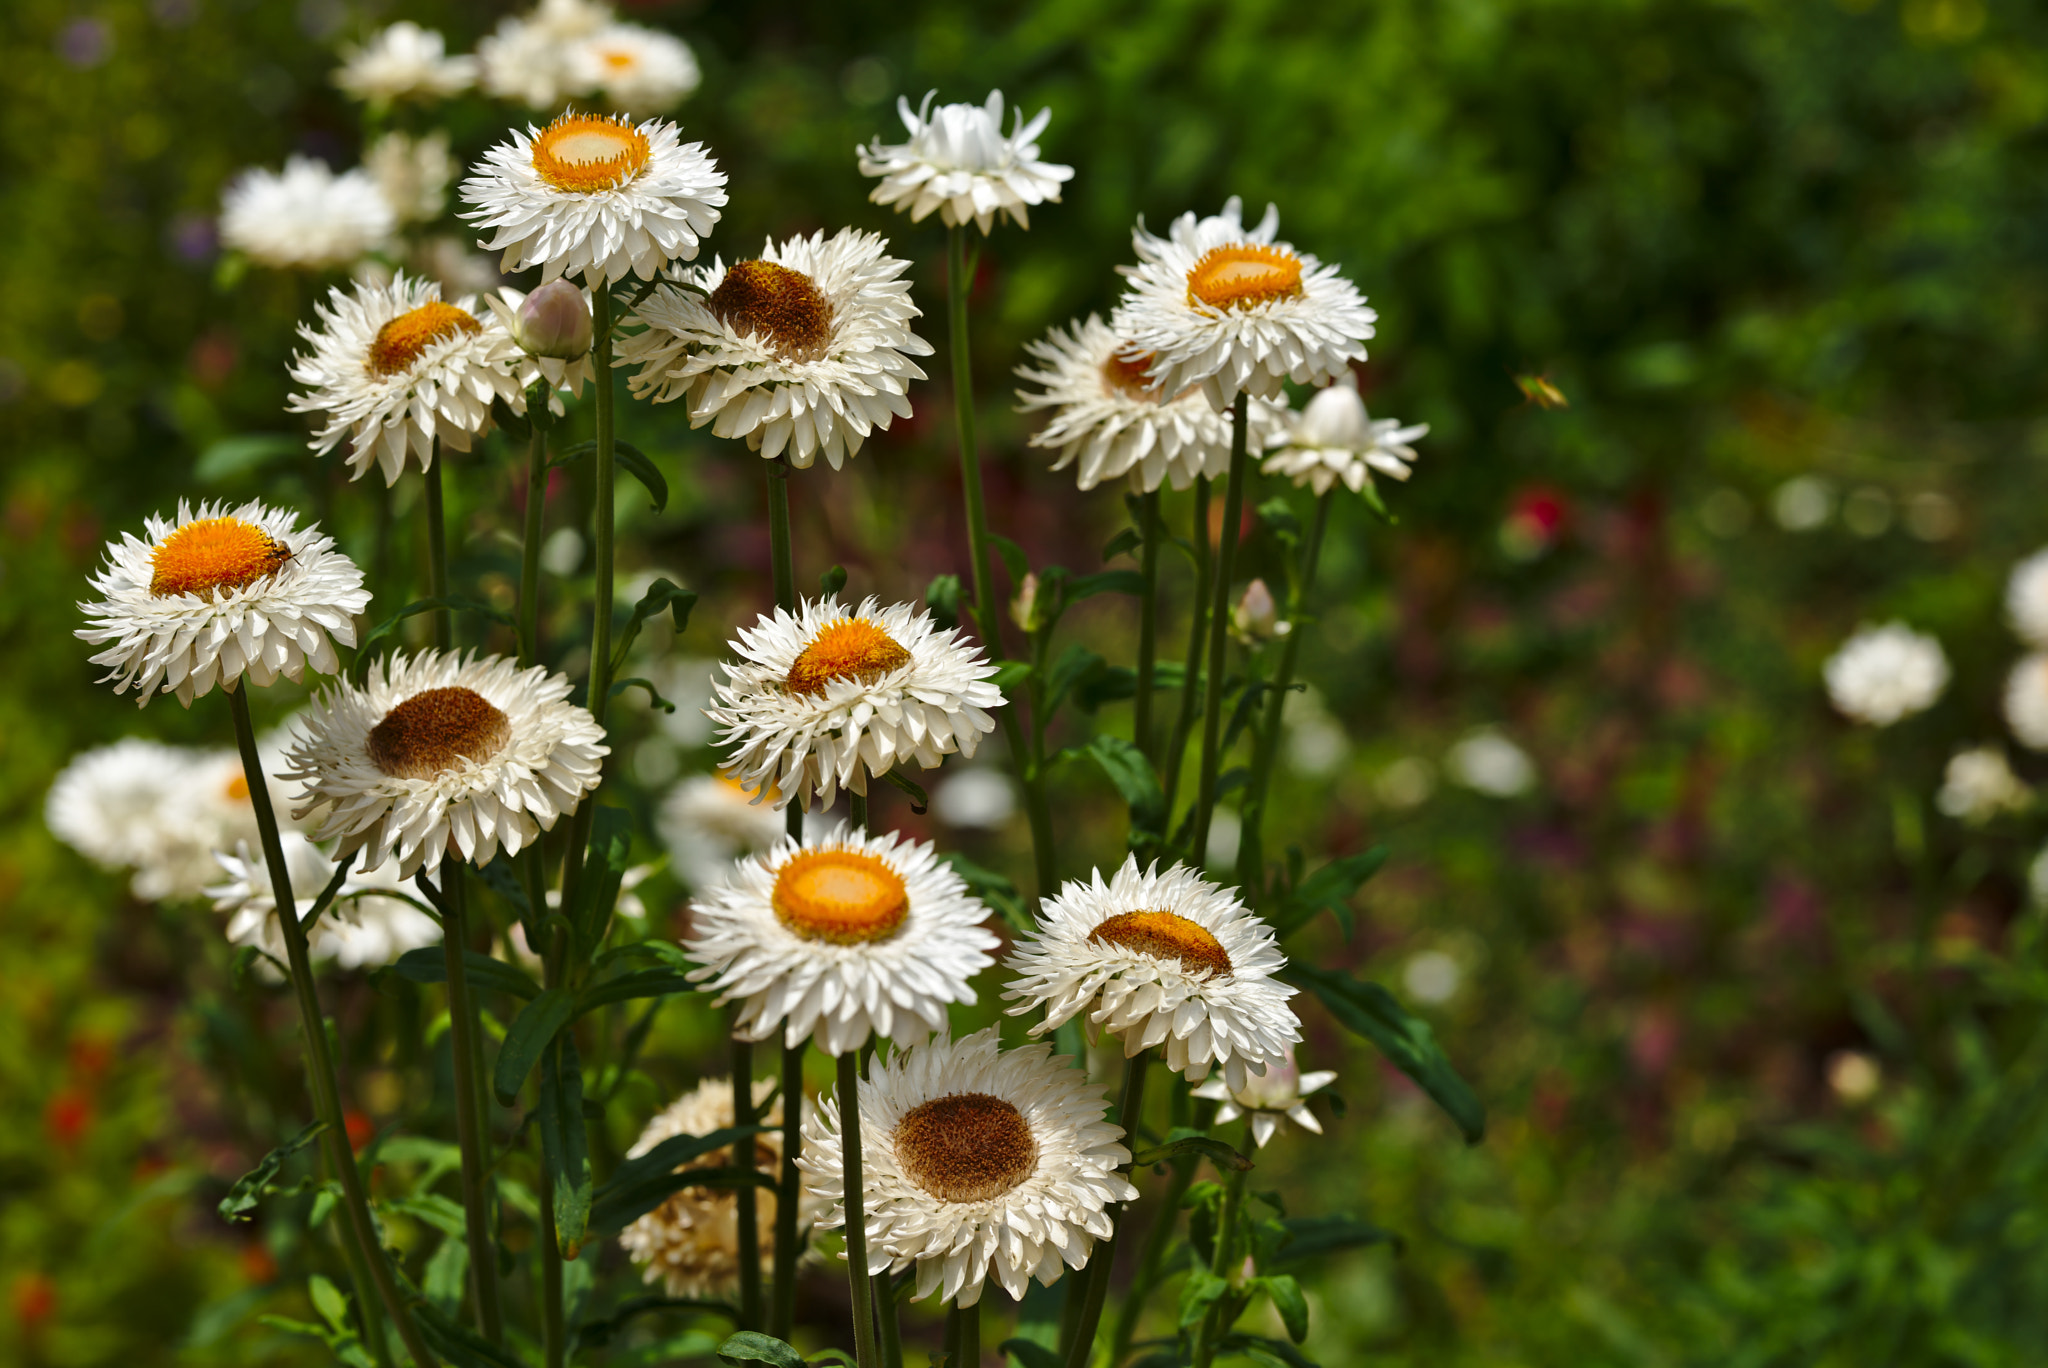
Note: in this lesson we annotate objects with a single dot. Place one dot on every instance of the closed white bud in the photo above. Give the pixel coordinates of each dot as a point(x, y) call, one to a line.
point(554, 321)
point(1255, 616)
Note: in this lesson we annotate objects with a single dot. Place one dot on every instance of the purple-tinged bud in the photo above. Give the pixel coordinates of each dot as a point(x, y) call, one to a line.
point(1255, 616)
point(554, 321)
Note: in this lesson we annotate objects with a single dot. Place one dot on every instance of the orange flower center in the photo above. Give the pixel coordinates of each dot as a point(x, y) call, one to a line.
point(1129, 375)
point(760, 298)
point(851, 648)
point(1164, 935)
point(618, 60)
point(967, 1147)
point(433, 729)
point(238, 789)
point(1244, 274)
point(400, 342)
point(214, 556)
point(842, 896)
point(583, 154)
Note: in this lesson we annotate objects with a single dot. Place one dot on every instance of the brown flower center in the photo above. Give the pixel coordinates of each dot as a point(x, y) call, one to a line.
point(1244, 274)
point(214, 556)
point(968, 1147)
point(1129, 375)
point(584, 154)
point(842, 896)
point(429, 732)
point(1164, 935)
point(760, 298)
point(851, 648)
point(401, 342)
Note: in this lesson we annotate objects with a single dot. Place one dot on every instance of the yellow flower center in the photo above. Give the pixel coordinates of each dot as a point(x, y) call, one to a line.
point(968, 1147)
point(1244, 274)
point(770, 791)
point(1165, 935)
point(400, 342)
point(432, 730)
point(761, 298)
point(214, 556)
point(618, 60)
point(851, 648)
point(583, 154)
point(1129, 376)
point(238, 789)
point(842, 896)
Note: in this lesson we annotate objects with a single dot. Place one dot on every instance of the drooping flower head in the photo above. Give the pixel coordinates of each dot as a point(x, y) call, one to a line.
point(976, 1163)
point(959, 162)
point(1231, 309)
point(211, 595)
point(826, 696)
point(1333, 438)
point(839, 937)
point(371, 921)
point(394, 369)
point(404, 61)
point(1882, 674)
point(804, 350)
point(305, 216)
point(439, 751)
point(600, 198)
point(1160, 958)
point(1270, 1099)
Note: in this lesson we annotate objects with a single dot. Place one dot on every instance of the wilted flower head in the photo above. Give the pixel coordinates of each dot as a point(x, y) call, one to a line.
point(959, 162)
point(1882, 674)
point(404, 61)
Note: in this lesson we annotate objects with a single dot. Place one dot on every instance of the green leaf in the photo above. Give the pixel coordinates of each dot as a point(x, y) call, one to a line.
point(1201, 1291)
point(1215, 1151)
point(428, 965)
point(564, 1143)
point(1106, 582)
point(233, 456)
point(604, 868)
point(832, 581)
point(1076, 664)
point(1122, 544)
point(1014, 559)
point(446, 1275)
point(1330, 887)
point(1132, 774)
point(1289, 1302)
point(457, 1343)
point(456, 603)
point(751, 1346)
point(942, 596)
point(919, 803)
point(442, 1213)
point(641, 1184)
point(332, 1306)
point(1311, 1238)
point(1030, 1355)
point(654, 698)
point(628, 458)
point(997, 890)
point(250, 1187)
point(640, 983)
point(1010, 674)
point(1404, 1039)
point(516, 426)
point(662, 596)
point(528, 1036)
point(503, 879)
point(1278, 515)
point(1278, 1352)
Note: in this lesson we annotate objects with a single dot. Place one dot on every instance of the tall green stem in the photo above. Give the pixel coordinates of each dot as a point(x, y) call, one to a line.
point(1222, 1257)
point(325, 1086)
point(1251, 852)
point(1219, 637)
point(1148, 621)
point(963, 1335)
point(536, 513)
point(857, 810)
point(1130, 1105)
point(888, 1325)
point(437, 556)
point(865, 1352)
point(748, 1212)
point(1198, 621)
point(471, 1137)
point(788, 1192)
point(1149, 1260)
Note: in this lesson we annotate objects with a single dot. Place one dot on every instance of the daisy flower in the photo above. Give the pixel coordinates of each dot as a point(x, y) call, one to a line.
point(595, 197)
point(1107, 415)
point(975, 1163)
point(1333, 438)
point(395, 368)
point(307, 216)
point(958, 162)
point(1271, 1099)
point(805, 350)
point(690, 1243)
point(634, 68)
point(372, 920)
point(845, 935)
point(2026, 599)
point(403, 61)
point(826, 696)
point(1231, 309)
point(1882, 674)
point(209, 596)
point(440, 750)
point(710, 819)
point(1160, 959)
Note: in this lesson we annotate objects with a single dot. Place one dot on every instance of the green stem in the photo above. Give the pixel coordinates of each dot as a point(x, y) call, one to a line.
point(1212, 1328)
point(536, 511)
point(605, 510)
point(888, 1323)
point(783, 565)
point(1219, 639)
point(467, 1056)
point(965, 1325)
point(369, 1325)
point(1191, 687)
point(1148, 621)
point(1130, 1106)
point(788, 1192)
point(743, 1157)
point(1251, 854)
point(325, 1086)
point(1154, 1254)
point(437, 555)
point(857, 810)
point(854, 1202)
point(554, 1329)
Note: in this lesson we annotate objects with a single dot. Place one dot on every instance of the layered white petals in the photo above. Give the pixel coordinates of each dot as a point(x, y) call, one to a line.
point(1237, 1020)
point(305, 216)
point(187, 643)
point(1883, 674)
point(443, 396)
point(959, 162)
point(1270, 1099)
point(1333, 438)
point(404, 61)
point(815, 744)
point(1048, 1222)
point(833, 994)
point(372, 920)
point(471, 808)
point(1307, 337)
point(826, 400)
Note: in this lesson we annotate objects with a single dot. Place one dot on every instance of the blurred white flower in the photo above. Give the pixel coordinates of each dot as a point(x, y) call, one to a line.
point(305, 215)
point(1432, 978)
point(404, 61)
point(975, 797)
point(2026, 599)
point(1979, 784)
point(1313, 741)
point(1489, 763)
point(958, 162)
point(412, 173)
point(526, 60)
point(159, 811)
point(1803, 503)
point(638, 69)
point(708, 820)
point(370, 922)
point(1854, 1076)
point(1882, 674)
point(2026, 701)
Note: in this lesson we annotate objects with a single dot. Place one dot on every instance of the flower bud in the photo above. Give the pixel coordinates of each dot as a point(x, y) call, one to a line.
point(1025, 605)
point(554, 321)
point(1255, 616)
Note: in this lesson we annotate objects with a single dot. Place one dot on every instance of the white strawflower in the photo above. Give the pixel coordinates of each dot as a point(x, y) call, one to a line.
point(2026, 701)
point(2026, 599)
point(1882, 674)
point(1271, 1099)
point(599, 198)
point(638, 69)
point(372, 920)
point(404, 61)
point(1160, 958)
point(708, 820)
point(1232, 309)
point(305, 216)
point(1333, 438)
point(413, 173)
point(439, 751)
point(395, 369)
point(159, 811)
point(1979, 784)
point(976, 1163)
point(826, 696)
point(1486, 762)
point(209, 596)
point(803, 351)
point(840, 937)
point(1107, 416)
point(690, 1243)
point(958, 162)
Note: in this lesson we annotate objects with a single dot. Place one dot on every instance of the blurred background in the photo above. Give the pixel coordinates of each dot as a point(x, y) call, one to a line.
point(1760, 1029)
